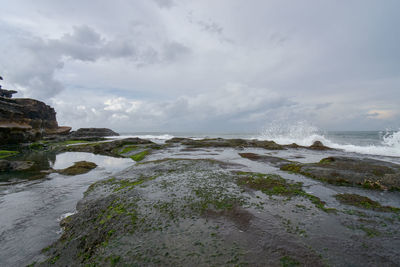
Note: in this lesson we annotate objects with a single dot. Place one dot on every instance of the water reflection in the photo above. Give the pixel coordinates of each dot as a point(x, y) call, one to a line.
point(30, 210)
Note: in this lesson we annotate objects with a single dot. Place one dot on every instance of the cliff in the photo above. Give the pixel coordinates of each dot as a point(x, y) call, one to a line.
point(26, 120)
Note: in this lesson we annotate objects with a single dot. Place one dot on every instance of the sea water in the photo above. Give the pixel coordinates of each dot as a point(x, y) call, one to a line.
point(381, 143)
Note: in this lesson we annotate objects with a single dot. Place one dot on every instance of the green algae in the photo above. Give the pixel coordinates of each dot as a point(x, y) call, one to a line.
point(7, 153)
point(140, 156)
point(79, 167)
point(295, 168)
point(273, 184)
point(43, 144)
point(288, 261)
point(128, 149)
point(122, 184)
point(370, 232)
point(364, 203)
point(270, 184)
point(327, 160)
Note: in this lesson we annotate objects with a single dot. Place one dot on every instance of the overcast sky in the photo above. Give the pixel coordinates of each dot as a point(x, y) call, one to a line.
point(209, 65)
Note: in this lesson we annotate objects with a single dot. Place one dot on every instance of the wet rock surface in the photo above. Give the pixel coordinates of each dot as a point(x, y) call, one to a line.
point(175, 211)
point(79, 167)
point(111, 148)
point(220, 142)
point(275, 161)
point(230, 202)
point(369, 173)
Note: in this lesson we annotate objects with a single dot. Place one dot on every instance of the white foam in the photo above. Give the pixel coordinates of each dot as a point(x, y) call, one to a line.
point(65, 215)
point(304, 134)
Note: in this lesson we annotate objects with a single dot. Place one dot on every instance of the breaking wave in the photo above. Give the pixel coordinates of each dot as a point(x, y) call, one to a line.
point(302, 133)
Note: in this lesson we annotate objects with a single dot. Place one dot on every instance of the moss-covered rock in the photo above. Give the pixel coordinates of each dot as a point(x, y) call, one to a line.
point(7, 153)
point(140, 156)
point(79, 167)
point(364, 203)
point(171, 213)
point(368, 173)
point(220, 142)
point(111, 148)
point(273, 184)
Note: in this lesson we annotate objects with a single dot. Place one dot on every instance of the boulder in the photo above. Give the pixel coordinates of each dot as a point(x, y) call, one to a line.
point(317, 145)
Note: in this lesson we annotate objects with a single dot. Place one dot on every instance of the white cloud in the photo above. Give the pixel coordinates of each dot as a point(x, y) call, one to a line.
point(381, 114)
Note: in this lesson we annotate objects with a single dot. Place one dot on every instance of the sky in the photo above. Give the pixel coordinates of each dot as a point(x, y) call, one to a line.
point(209, 66)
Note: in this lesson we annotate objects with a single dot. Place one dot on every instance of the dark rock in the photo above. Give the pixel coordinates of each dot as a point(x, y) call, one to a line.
point(107, 148)
point(294, 145)
point(177, 140)
point(220, 142)
point(92, 132)
point(275, 161)
point(6, 165)
point(317, 145)
point(63, 130)
point(369, 173)
point(364, 203)
point(25, 120)
point(79, 167)
point(7, 93)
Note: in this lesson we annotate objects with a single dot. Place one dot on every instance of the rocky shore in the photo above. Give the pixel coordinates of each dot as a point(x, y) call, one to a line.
point(229, 202)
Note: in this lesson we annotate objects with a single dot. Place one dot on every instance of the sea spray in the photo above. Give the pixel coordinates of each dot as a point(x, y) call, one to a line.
point(305, 134)
point(301, 133)
point(392, 139)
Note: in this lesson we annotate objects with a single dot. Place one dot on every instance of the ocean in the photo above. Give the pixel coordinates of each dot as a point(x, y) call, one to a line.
point(382, 143)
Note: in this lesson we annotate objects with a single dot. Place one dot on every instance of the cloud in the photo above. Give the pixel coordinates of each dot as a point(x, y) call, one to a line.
point(174, 50)
point(231, 106)
point(381, 114)
point(165, 3)
point(173, 65)
point(33, 62)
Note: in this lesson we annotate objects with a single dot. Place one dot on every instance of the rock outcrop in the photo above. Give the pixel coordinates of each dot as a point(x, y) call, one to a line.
point(365, 172)
point(92, 132)
point(26, 120)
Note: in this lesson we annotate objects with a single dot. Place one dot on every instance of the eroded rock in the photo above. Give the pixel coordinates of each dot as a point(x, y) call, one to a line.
point(369, 173)
point(25, 120)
